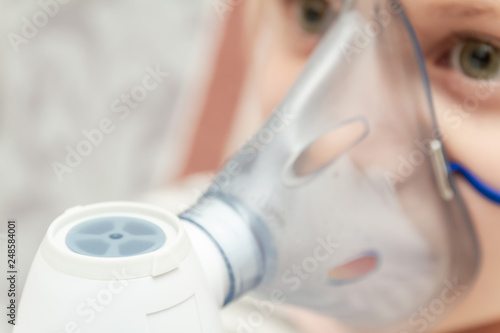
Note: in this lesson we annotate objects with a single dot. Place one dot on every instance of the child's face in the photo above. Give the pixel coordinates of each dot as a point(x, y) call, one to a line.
point(461, 44)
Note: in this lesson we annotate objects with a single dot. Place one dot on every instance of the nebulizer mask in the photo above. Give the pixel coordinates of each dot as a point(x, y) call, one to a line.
point(341, 204)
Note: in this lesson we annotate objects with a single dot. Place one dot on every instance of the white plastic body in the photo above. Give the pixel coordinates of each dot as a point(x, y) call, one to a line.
point(186, 298)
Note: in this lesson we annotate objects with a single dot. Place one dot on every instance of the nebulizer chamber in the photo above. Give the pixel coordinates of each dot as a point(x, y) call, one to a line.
point(341, 203)
point(122, 267)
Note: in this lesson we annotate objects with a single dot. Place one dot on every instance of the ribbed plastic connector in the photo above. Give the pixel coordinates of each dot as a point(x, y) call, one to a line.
point(236, 234)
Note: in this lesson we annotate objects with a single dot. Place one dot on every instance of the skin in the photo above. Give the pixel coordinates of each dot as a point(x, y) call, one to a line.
point(469, 138)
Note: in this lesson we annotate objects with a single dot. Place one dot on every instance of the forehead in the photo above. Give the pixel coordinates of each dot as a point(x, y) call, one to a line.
point(453, 8)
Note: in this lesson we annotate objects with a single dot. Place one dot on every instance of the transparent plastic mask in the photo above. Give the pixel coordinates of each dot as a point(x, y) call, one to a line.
point(342, 201)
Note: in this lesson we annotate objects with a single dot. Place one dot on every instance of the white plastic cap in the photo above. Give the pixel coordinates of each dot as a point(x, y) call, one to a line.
point(117, 239)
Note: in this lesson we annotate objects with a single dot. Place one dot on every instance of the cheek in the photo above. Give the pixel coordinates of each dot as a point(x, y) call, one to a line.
point(470, 126)
point(469, 134)
point(482, 304)
point(280, 70)
point(469, 118)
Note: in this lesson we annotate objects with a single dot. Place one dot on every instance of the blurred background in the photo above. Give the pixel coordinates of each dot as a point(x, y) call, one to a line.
point(110, 100)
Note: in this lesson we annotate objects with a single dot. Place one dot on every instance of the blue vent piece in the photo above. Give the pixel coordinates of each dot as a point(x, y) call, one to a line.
point(115, 237)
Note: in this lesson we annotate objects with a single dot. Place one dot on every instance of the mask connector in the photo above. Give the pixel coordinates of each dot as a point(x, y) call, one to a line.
point(236, 237)
point(441, 170)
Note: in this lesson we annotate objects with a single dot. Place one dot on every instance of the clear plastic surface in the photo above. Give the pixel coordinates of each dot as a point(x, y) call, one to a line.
point(345, 189)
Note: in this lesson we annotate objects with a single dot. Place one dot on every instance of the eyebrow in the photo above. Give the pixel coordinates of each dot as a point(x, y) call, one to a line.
point(466, 8)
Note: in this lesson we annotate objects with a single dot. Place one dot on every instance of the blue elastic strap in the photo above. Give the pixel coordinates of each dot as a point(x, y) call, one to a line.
point(483, 188)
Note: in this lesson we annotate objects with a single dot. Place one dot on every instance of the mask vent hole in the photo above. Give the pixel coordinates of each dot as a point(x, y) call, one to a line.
point(326, 149)
point(354, 270)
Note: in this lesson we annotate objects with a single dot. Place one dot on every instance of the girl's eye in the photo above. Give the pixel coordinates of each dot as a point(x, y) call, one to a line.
point(476, 59)
point(314, 16)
